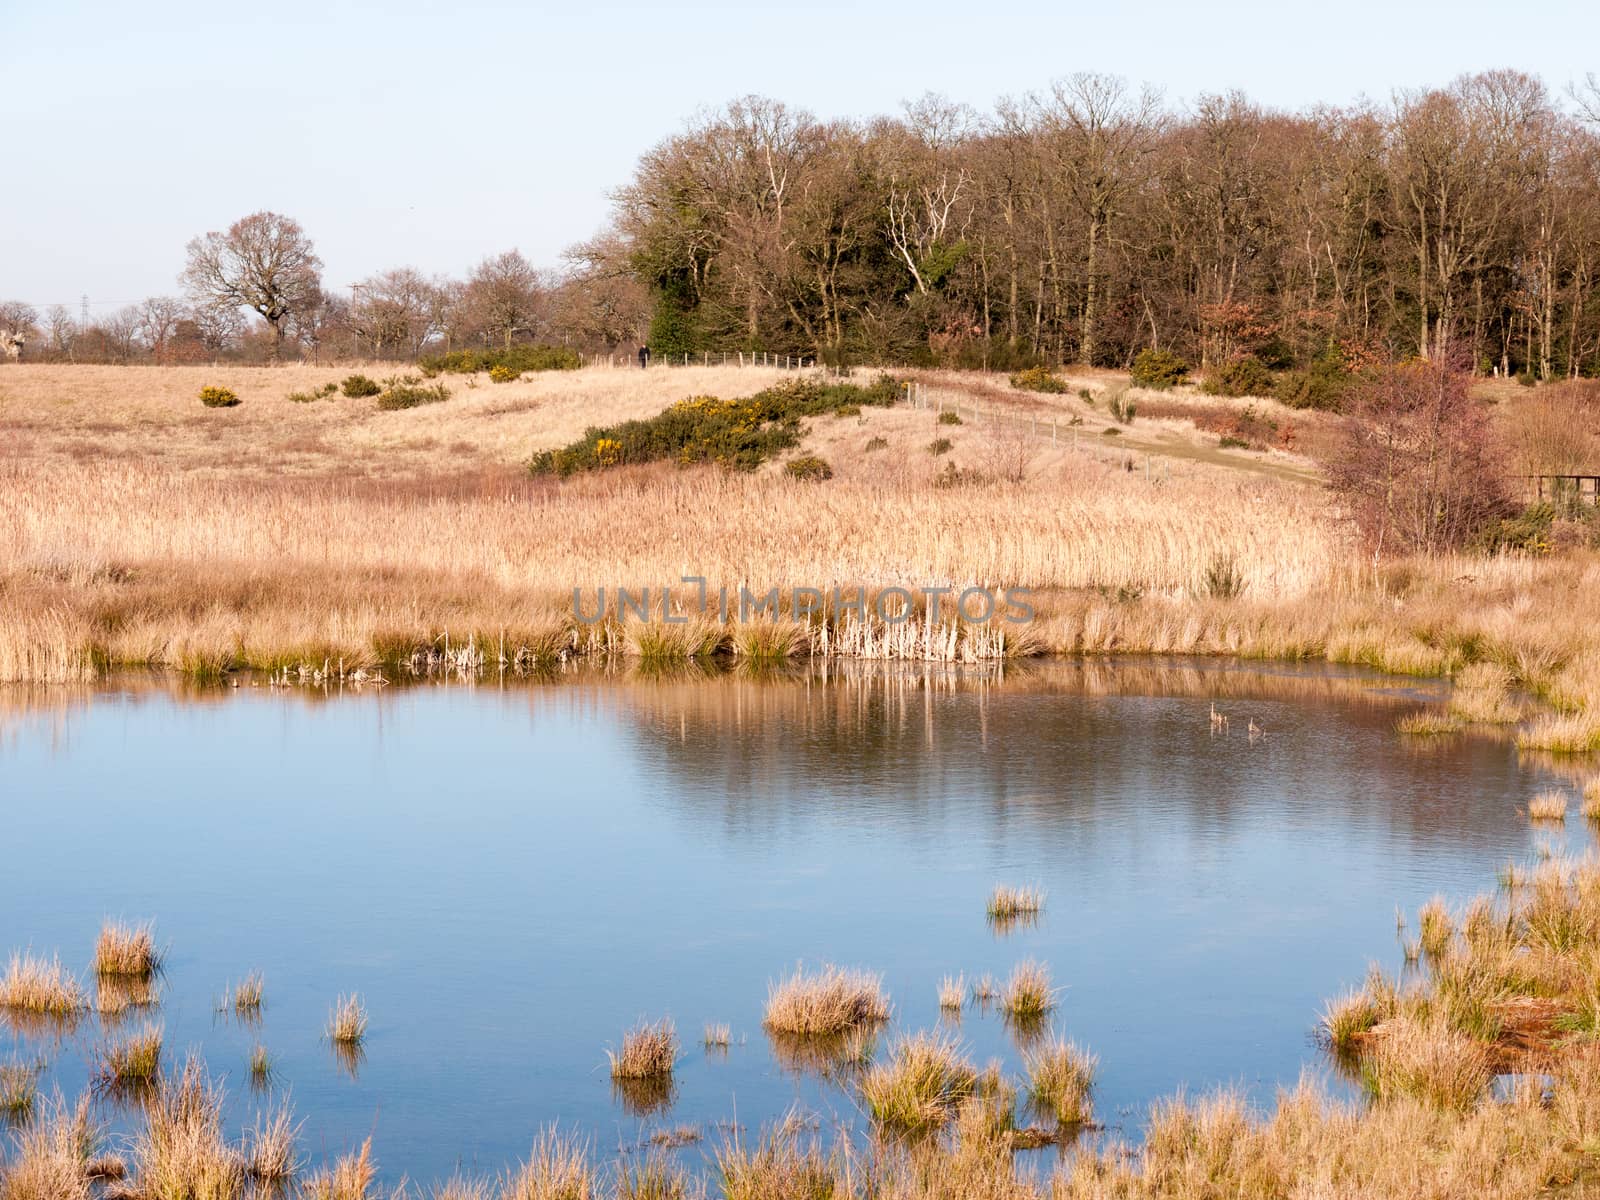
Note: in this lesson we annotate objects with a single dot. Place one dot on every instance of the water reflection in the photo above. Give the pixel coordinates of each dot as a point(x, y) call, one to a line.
point(511, 872)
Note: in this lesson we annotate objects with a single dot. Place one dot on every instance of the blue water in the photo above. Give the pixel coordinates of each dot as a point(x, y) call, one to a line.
point(512, 875)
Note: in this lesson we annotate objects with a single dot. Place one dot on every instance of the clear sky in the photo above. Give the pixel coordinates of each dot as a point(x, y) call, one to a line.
point(431, 134)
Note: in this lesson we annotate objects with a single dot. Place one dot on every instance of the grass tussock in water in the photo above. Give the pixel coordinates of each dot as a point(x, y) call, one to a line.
point(130, 1063)
point(247, 996)
point(917, 1088)
point(19, 1091)
point(352, 1177)
point(1428, 723)
point(828, 1002)
point(126, 951)
point(649, 1051)
point(952, 993)
point(1028, 995)
point(1435, 926)
point(40, 987)
point(183, 1151)
point(1009, 903)
point(1060, 1080)
point(1548, 806)
point(717, 1037)
point(1482, 695)
point(116, 996)
point(271, 1150)
point(347, 1024)
point(559, 1167)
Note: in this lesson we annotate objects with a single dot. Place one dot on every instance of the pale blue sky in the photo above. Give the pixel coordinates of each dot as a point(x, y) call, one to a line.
point(431, 134)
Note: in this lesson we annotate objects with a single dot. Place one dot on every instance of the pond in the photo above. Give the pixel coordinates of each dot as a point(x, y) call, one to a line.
point(510, 875)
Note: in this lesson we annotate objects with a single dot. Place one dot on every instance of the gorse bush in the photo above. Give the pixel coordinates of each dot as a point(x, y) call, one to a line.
point(500, 373)
point(1158, 369)
point(218, 397)
point(408, 391)
point(949, 418)
point(1322, 386)
point(738, 434)
point(358, 387)
point(1243, 376)
point(1123, 409)
point(1037, 379)
point(940, 446)
point(517, 359)
point(322, 393)
point(809, 467)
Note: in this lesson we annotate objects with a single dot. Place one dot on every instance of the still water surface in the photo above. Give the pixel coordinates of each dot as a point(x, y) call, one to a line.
point(511, 876)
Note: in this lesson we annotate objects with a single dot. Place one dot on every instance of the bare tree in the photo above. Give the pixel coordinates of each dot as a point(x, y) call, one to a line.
point(396, 310)
point(60, 331)
point(264, 262)
point(159, 317)
point(1419, 462)
point(505, 296)
point(18, 325)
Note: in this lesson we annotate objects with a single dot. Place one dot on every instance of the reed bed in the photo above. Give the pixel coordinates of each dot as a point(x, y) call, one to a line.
point(649, 1051)
point(40, 987)
point(828, 1002)
point(126, 951)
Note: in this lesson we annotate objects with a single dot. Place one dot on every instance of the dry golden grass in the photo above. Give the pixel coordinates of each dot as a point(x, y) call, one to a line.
point(1027, 995)
point(132, 1062)
point(41, 988)
point(347, 1024)
point(182, 1150)
point(1548, 806)
point(353, 1177)
point(126, 950)
point(560, 1167)
point(952, 993)
point(717, 1037)
point(246, 997)
point(919, 1085)
point(19, 1091)
point(828, 1002)
point(271, 1156)
point(1006, 903)
point(649, 1051)
point(1060, 1079)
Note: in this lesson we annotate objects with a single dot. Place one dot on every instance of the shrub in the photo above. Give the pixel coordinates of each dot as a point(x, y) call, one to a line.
point(1528, 531)
point(218, 397)
point(408, 391)
point(809, 467)
point(1229, 442)
point(1418, 462)
point(359, 387)
point(1158, 369)
point(1243, 376)
point(737, 434)
point(517, 358)
point(940, 446)
point(877, 443)
point(1321, 386)
point(1037, 379)
point(500, 373)
point(949, 418)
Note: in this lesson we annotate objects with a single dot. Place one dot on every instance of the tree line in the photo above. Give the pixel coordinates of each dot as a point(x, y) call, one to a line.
point(1082, 223)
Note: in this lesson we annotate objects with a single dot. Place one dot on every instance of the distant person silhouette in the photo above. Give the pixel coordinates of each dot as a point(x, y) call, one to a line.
point(644, 357)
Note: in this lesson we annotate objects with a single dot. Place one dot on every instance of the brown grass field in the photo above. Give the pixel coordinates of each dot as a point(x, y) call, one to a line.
point(139, 528)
